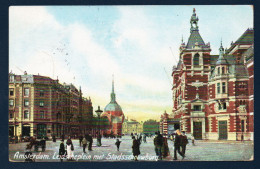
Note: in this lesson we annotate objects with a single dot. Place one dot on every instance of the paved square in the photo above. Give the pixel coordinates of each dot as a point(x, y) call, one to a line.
point(202, 151)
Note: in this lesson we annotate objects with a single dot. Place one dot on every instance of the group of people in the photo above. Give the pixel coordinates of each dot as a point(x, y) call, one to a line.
point(68, 152)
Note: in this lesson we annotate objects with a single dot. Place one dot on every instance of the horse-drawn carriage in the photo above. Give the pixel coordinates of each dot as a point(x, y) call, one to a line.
point(37, 144)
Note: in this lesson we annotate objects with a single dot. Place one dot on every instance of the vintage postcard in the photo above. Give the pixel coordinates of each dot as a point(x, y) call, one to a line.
point(131, 83)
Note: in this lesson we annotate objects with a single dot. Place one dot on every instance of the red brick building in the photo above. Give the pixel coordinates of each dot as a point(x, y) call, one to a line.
point(213, 95)
point(113, 112)
point(40, 106)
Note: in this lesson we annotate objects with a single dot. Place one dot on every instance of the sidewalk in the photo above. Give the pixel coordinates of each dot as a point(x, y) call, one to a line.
point(224, 141)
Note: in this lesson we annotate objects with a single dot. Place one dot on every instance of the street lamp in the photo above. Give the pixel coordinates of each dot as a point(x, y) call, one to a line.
point(98, 111)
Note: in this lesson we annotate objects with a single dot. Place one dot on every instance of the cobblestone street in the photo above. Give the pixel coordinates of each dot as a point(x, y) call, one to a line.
point(202, 151)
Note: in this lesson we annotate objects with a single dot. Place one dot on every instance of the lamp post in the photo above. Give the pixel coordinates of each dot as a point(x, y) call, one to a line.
point(98, 111)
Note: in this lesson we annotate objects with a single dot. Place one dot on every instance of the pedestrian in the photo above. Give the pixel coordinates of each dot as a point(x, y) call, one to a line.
point(192, 140)
point(144, 139)
point(53, 138)
point(117, 144)
point(80, 140)
point(242, 137)
point(135, 148)
point(84, 143)
point(99, 140)
point(184, 142)
point(139, 139)
point(70, 149)
point(158, 143)
point(90, 140)
point(177, 144)
point(62, 151)
point(165, 148)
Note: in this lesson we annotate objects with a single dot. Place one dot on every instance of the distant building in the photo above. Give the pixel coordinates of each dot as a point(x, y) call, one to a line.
point(40, 106)
point(213, 95)
point(113, 112)
point(132, 126)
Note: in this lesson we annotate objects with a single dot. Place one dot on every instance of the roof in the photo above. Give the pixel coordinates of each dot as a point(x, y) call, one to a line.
point(249, 53)
point(246, 38)
point(195, 37)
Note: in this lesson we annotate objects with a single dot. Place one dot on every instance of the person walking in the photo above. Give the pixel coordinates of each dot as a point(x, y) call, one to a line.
point(80, 140)
point(184, 142)
point(144, 139)
point(165, 148)
point(90, 142)
point(99, 140)
point(177, 144)
point(84, 143)
point(62, 151)
point(135, 148)
point(70, 149)
point(192, 140)
point(117, 144)
point(158, 143)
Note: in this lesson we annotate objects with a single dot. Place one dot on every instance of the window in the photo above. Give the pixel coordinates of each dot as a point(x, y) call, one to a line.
point(41, 103)
point(223, 87)
point(197, 107)
point(42, 114)
point(11, 78)
point(224, 106)
point(11, 92)
point(219, 106)
point(196, 60)
point(11, 102)
point(242, 125)
point(26, 92)
point(218, 88)
point(26, 114)
point(26, 103)
point(11, 115)
point(218, 70)
point(223, 70)
point(41, 93)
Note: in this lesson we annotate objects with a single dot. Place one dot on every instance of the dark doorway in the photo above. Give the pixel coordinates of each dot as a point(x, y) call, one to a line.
point(26, 131)
point(222, 125)
point(11, 131)
point(197, 130)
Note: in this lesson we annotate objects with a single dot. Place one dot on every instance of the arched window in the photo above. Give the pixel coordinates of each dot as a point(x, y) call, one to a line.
point(223, 70)
point(218, 70)
point(196, 59)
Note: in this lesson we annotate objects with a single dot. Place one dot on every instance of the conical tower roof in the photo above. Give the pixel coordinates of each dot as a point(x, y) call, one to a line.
point(195, 38)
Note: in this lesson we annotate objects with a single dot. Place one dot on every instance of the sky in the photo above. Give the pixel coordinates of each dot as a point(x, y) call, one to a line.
point(86, 45)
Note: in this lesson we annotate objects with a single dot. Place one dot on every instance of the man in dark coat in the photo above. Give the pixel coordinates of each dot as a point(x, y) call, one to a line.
point(158, 143)
point(80, 140)
point(135, 148)
point(99, 140)
point(62, 151)
point(184, 142)
point(177, 145)
point(90, 140)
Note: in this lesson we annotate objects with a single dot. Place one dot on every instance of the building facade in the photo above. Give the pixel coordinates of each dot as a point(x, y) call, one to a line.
point(113, 112)
point(42, 107)
point(213, 95)
point(132, 126)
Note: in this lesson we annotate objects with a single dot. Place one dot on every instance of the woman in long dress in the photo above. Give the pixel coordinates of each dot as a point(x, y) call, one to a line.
point(70, 149)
